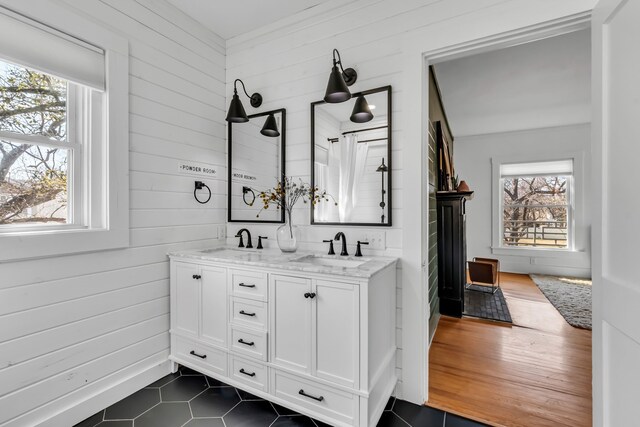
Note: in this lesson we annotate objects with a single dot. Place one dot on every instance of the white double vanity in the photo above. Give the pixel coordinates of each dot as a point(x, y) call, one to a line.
point(313, 333)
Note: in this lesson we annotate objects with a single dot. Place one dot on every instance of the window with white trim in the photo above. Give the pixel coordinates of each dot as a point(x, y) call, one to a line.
point(63, 134)
point(536, 205)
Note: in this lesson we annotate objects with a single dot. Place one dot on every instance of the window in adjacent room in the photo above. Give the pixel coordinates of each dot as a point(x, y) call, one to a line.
point(536, 205)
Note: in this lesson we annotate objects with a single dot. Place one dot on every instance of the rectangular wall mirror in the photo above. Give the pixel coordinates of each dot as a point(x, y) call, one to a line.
point(255, 163)
point(352, 161)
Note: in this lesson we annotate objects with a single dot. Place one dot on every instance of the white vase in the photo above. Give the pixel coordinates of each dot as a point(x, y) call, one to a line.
point(288, 235)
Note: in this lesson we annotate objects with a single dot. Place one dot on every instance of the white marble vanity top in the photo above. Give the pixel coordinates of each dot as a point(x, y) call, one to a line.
point(308, 262)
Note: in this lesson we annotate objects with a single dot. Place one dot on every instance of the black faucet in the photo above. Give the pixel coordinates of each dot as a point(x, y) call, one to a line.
point(241, 244)
point(260, 242)
point(330, 242)
point(340, 235)
point(359, 249)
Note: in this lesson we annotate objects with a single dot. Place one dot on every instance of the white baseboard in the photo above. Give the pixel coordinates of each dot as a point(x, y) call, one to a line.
point(86, 401)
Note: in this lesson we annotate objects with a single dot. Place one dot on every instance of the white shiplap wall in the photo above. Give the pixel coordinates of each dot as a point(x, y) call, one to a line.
point(289, 63)
point(74, 326)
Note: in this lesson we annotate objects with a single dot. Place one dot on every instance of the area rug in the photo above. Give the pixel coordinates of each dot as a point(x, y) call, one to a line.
point(570, 296)
point(486, 305)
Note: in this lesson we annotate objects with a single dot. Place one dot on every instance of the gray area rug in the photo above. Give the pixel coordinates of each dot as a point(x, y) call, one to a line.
point(485, 305)
point(570, 296)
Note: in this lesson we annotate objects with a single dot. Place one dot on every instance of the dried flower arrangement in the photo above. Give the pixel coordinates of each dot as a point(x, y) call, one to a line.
point(286, 193)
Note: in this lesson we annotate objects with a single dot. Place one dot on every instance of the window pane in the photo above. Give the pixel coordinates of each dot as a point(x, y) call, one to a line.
point(535, 211)
point(32, 103)
point(33, 184)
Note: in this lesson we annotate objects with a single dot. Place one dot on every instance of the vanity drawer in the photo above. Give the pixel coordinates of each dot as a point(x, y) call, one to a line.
point(249, 343)
point(249, 284)
point(251, 313)
point(333, 403)
point(198, 354)
point(251, 373)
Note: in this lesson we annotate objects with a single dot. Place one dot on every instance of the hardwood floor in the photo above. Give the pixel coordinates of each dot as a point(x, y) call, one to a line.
point(534, 373)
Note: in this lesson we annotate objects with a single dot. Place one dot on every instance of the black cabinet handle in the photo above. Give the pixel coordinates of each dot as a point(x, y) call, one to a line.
point(241, 341)
point(310, 295)
point(196, 276)
point(249, 374)
point(319, 399)
point(201, 356)
point(247, 314)
point(246, 286)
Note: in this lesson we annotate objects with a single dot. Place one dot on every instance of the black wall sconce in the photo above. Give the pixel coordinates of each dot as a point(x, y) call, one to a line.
point(361, 111)
point(236, 113)
point(339, 82)
point(270, 127)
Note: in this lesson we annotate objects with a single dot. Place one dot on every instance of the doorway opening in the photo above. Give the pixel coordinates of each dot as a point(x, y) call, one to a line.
point(509, 327)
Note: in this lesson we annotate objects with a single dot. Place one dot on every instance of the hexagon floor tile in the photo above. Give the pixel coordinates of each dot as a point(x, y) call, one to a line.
point(190, 399)
point(134, 405)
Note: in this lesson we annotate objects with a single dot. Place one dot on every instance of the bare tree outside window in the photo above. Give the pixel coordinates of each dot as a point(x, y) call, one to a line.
point(33, 176)
point(536, 211)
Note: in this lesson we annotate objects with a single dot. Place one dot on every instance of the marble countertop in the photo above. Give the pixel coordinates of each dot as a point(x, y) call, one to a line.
point(308, 262)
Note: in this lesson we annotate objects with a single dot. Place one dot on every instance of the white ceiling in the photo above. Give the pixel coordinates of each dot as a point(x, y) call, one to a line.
point(540, 84)
point(230, 18)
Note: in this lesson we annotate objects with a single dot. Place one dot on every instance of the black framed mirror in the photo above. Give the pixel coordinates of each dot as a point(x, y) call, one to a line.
point(255, 163)
point(352, 161)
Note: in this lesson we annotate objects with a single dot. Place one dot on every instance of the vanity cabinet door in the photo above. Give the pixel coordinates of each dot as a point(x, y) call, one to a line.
point(336, 334)
point(290, 338)
point(186, 295)
point(213, 305)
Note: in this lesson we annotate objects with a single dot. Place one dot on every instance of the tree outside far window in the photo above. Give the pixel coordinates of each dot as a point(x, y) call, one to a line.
point(536, 211)
point(34, 164)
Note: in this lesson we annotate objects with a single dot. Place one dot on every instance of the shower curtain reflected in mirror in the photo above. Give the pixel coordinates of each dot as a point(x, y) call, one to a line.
point(352, 161)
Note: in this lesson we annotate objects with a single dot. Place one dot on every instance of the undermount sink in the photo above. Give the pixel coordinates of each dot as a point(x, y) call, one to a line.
point(239, 254)
point(332, 262)
point(225, 251)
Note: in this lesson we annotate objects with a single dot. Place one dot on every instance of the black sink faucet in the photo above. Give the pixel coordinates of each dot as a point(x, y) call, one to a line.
point(241, 244)
point(340, 235)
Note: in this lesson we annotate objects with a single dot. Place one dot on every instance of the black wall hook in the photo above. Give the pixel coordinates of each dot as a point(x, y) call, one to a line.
point(199, 186)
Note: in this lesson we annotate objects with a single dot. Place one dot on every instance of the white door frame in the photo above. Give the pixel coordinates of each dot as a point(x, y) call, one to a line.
point(412, 390)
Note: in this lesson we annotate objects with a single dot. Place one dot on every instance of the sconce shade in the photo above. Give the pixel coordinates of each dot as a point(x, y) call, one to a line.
point(236, 112)
point(382, 167)
point(270, 127)
point(361, 112)
point(337, 90)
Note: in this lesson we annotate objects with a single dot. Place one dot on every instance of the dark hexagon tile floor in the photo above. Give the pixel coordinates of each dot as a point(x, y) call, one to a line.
point(190, 399)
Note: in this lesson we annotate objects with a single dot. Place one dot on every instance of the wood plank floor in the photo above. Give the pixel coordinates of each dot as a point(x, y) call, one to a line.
point(534, 373)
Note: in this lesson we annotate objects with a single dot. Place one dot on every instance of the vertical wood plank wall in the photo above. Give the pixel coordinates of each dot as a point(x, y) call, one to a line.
point(436, 114)
point(73, 325)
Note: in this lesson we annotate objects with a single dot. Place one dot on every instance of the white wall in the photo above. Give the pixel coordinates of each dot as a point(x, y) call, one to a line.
point(535, 85)
point(289, 61)
point(473, 160)
point(76, 326)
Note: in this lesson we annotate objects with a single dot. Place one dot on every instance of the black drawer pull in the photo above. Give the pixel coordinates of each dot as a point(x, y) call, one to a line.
point(247, 314)
point(244, 285)
point(201, 356)
point(196, 276)
point(319, 399)
point(249, 374)
point(311, 295)
point(241, 341)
